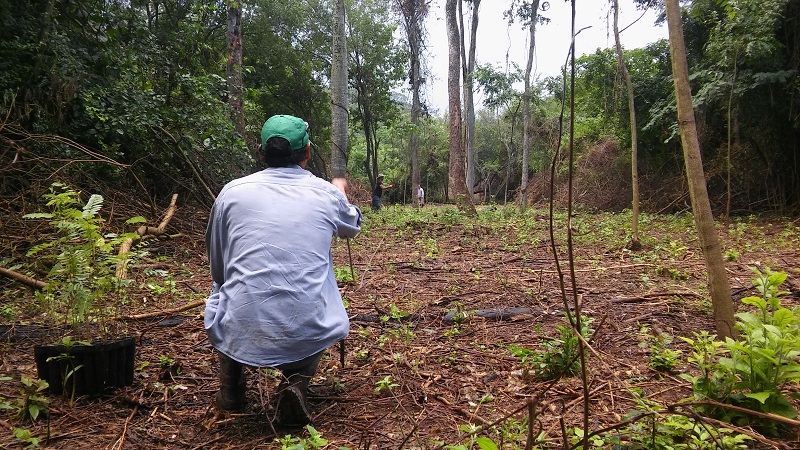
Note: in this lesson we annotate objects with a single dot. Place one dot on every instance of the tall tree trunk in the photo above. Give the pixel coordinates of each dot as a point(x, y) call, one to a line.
point(414, 12)
point(701, 207)
point(729, 164)
point(635, 244)
point(339, 99)
point(468, 61)
point(526, 105)
point(234, 66)
point(457, 188)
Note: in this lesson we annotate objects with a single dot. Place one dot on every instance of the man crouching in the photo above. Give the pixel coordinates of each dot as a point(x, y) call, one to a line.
point(275, 302)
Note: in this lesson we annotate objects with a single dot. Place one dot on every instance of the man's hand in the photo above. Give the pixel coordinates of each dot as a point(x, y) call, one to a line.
point(341, 184)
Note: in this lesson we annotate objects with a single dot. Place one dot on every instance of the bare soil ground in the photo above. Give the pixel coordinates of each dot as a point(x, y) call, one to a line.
point(410, 273)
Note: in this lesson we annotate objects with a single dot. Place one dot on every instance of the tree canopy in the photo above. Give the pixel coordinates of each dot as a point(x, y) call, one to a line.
point(134, 94)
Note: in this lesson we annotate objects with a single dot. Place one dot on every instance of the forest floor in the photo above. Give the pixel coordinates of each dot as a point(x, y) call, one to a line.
point(438, 305)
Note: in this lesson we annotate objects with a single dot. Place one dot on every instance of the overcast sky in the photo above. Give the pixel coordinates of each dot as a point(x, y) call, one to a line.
point(497, 41)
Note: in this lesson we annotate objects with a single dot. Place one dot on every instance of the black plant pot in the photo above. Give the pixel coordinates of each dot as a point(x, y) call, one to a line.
point(101, 367)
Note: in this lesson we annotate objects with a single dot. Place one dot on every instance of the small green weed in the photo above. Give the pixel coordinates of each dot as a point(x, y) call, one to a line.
point(26, 437)
point(395, 313)
point(384, 386)
point(169, 367)
point(313, 441)
point(362, 356)
point(557, 357)
point(167, 285)
point(662, 358)
point(344, 274)
point(431, 248)
point(649, 429)
point(732, 255)
point(404, 333)
point(31, 402)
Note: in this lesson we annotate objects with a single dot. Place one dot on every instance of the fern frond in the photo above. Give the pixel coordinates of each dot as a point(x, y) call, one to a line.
point(39, 215)
point(93, 206)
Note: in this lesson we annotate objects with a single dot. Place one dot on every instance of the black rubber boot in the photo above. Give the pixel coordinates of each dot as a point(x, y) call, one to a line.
point(232, 385)
point(293, 408)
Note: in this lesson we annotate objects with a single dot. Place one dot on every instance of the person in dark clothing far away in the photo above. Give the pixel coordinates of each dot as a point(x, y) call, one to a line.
point(377, 191)
point(275, 302)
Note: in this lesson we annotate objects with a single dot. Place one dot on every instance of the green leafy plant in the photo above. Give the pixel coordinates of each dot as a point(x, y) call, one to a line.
point(431, 248)
point(557, 357)
point(395, 313)
point(385, 385)
point(344, 274)
point(362, 356)
point(169, 367)
point(32, 402)
point(732, 255)
point(70, 369)
point(167, 285)
point(313, 441)
point(481, 442)
point(85, 257)
point(672, 432)
point(751, 372)
point(27, 437)
point(662, 358)
point(649, 428)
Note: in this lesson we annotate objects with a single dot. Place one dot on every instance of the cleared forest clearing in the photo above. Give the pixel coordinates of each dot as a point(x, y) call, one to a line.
point(443, 309)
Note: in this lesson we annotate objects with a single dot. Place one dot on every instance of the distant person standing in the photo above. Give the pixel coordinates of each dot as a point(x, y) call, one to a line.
point(420, 195)
point(377, 191)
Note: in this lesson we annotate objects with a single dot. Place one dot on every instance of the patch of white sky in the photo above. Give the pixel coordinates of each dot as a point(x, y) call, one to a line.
point(502, 45)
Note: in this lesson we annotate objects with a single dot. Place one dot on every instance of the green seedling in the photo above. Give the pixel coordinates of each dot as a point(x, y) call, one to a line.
point(32, 402)
point(312, 442)
point(662, 358)
point(384, 386)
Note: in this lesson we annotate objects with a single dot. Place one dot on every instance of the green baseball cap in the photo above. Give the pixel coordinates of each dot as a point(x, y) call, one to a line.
point(291, 128)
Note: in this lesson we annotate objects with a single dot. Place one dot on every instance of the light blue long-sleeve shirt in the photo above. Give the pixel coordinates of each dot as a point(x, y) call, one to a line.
point(275, 299)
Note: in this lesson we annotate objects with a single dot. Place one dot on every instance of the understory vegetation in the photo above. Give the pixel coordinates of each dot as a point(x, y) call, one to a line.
point(459, 340)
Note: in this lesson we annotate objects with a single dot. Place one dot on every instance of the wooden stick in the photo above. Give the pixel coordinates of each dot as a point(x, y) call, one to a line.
point(24, 279)
point(122, 267)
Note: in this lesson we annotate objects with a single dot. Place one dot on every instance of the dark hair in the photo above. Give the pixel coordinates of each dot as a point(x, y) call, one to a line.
point(278, 153)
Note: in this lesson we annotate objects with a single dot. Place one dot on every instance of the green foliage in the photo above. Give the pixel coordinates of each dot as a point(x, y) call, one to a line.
point(558, 357)
point(344, 274)
point(85, 258)
point(672, 431)
point(385, 386)
point(758, 365)
point(460, 315)
point(395, 313)
point(167, 285)
point(511, 434)
point(70, 369)
point(31, 402)
point(662, 358)
point(313, 441)
point(431, 248)
point(27, 437)
point(649, 428)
